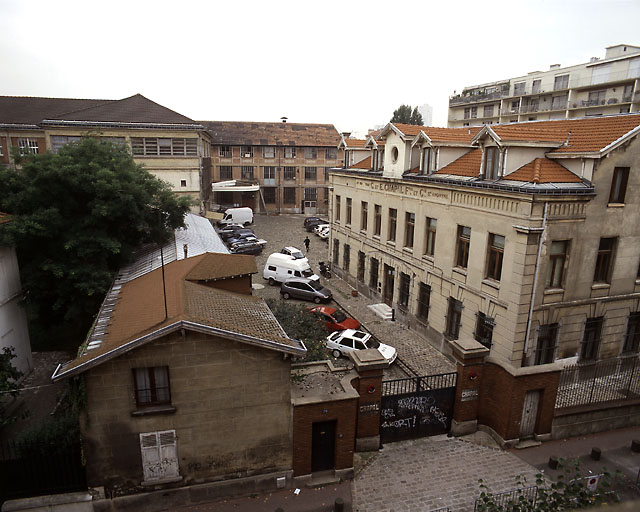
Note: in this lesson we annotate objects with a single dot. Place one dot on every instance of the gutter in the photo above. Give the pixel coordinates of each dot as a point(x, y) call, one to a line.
point(119, 124)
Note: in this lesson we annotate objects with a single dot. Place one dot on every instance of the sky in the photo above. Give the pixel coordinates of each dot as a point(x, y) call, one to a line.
point(347, 63)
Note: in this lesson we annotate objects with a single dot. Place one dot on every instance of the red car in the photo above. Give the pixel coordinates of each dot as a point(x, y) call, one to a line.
point(334, 319)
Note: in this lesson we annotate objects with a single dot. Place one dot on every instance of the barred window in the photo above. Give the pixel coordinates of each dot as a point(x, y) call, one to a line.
point(484, 329)
point(247, 172)
point(374, 270)
point(424, 298)
point(336, 251)
point(454, 318)
point(403, 295)
point(310, 173)
point(346, 257)
point(289, 152)
point(225, 151)
point(310, 194)
point(289, 173)
point(226, 172)
point(269, 194)
point(632, 337)
point(546, 346)
point(361, 260)
point(289, 195)
point(591, 339)
point(246, 151)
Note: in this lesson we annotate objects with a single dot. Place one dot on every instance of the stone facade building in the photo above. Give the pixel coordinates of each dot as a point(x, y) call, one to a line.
point(523, 236)
point(288, 162)
point(170, 146)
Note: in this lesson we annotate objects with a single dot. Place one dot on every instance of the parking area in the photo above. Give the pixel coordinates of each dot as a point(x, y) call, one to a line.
point(287, 230)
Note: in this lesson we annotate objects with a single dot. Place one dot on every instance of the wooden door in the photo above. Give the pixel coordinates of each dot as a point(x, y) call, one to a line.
point(529, 413)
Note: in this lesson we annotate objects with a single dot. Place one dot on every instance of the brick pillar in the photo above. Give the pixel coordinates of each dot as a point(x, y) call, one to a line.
point(469, 355)
point(369, 364)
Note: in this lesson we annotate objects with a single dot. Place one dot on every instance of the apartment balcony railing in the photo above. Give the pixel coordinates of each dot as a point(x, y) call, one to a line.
point(472, 98)
point(588, 81)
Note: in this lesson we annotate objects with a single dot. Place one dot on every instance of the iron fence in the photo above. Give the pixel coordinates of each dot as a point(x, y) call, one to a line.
point(602, 381)
point(417, 384)
point(503, 499)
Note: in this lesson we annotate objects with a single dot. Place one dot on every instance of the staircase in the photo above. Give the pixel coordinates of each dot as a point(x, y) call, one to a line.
point(382, 310)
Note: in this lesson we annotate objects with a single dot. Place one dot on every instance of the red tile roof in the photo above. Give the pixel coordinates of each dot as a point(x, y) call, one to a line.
point(272, 134)
point(440, 134)
point(543, 170)
point(467, 165)
point(355, 143)
point(364, 164)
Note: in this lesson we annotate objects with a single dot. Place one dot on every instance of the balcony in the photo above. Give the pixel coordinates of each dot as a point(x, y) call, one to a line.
point(473, 98)
point(621, 76)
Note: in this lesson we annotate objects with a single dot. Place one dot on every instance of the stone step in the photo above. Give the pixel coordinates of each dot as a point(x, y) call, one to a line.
point(322, 478)
point(382, 310)
point(527, 443)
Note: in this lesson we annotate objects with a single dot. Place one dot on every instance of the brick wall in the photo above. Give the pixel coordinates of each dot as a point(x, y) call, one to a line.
point(304, 416)
point(232, 411)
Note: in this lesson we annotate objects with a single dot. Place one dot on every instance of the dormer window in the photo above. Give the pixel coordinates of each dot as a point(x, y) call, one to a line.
point(491, 155)
point(426, 160)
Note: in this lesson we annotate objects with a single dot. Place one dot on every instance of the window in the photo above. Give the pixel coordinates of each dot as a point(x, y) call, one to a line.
point(488, 111)
point(403, 295)
point(393, 217)
point(225, 151)
point(557, 259)
point(183, 183)
point(454, 316)
point(360, 272)
point(546, 347)
point(330, 154)
point(559, 102)
point(159, 454)
point(349, 204)
point(1, 146)
point(27, 146)
point(226, 172)
point(311, 153)
point(269, 175)
point(164, 147)
point(337, 216)
point(410, 222)
point(247, 172)
point(591, 339)
point(346, 257)
point(152, 146)
point(518, 88)
point(377, 220)
point(424, 297)
point(310, 194)
point(152, 386)
point(484, 329)
point(494, 257)
point(426, 160)
point(491, 156)
point(619, 185)
point(57, 141)
point(269, 152)
point(632, 337)
point(561, 82)
point(462, 251)
point(326, 174)
point(311, 173)
point(289, 173)
point(269, 195)
point(430, 237)
point(474, 112)
point(289, 195)
point(467, 112)
point(596, 98)
point(289, 152)
point(535, 88)
point(373, 273)
point(246, 151)
point(604, 260)
point(336, 252)
point(364, 215)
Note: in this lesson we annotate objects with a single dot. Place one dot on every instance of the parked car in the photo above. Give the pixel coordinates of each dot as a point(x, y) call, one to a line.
point(305, 289)
point(242, 237)
point(296, 254)
point(280, 267)
point(319, 227)
point(334, 319)
point(324, 234)
point(225, 235)
point(342, 342)
point(309, 220)
point(309, 227)
point(242, 215)
point(246, 248)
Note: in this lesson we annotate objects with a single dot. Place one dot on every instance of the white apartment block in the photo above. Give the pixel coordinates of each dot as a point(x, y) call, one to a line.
point(600, 87)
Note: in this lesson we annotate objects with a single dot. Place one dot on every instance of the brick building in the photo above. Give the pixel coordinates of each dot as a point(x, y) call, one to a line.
point(289, 163)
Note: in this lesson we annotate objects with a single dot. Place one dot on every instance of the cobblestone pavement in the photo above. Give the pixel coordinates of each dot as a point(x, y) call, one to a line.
point(286, 230)
point(434, 472)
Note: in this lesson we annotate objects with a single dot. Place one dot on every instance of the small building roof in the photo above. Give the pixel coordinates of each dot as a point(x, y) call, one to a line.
point(467, 165)
point(543, 170)
point(363, 164)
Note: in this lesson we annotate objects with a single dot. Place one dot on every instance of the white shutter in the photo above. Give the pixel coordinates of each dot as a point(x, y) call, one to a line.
point(169, 452)
point(159, 455)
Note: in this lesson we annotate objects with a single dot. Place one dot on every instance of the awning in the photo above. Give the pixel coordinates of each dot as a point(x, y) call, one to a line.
point(231, 186)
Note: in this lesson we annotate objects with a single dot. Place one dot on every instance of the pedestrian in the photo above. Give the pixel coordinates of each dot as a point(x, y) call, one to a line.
point(306, 243)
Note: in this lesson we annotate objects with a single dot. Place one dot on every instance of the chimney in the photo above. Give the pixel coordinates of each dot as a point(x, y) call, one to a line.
point(185, 248)
point(554, 66)
point(284, 119)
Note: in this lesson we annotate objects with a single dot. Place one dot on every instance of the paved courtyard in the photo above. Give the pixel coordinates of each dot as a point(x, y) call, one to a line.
point(286, 230)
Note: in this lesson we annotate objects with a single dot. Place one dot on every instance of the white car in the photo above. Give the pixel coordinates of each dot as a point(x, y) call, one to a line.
point(324, 234)
point(341, 342)
point(320, 227)
point(295, 253)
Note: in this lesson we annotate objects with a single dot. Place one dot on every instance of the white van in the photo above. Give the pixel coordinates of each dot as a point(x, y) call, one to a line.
point(280, 267)
point(242, 216)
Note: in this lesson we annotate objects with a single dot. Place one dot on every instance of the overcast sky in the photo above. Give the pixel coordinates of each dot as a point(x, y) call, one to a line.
point(342, 62)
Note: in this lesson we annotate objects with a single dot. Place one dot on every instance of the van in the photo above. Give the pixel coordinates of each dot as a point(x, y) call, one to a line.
point(280, 267)
point(242, 216)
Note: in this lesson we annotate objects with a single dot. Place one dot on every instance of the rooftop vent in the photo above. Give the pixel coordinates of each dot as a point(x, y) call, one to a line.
point(284, 119)
point(554, 66)
point(594, 59)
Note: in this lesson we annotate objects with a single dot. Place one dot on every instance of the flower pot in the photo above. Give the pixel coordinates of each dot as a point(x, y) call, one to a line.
point(354, 293)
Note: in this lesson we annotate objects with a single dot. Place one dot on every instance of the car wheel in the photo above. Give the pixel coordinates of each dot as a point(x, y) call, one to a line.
point(336, 353)
point(272, 281)
point(286, 296)
point(316, 300)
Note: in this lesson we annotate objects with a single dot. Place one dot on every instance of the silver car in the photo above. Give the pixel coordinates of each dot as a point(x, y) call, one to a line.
point(305, 289)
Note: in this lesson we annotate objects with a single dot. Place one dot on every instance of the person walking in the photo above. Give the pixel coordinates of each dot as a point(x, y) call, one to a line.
point(306, 243)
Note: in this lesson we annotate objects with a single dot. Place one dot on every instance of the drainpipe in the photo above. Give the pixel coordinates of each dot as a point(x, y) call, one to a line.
point(535, 281)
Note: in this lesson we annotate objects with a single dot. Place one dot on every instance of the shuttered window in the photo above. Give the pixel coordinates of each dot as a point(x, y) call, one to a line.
point(153, 146)
point(159, 452)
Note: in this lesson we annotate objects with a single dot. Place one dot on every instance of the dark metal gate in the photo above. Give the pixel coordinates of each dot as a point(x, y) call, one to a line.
point(417, 406)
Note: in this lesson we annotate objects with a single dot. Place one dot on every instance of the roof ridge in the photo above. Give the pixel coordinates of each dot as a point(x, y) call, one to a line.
point(537, 166)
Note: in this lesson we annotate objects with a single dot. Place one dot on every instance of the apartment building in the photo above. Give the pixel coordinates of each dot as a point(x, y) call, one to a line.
point(273, 167)
point(524, 236)
point(600, 87)
point(171, 146)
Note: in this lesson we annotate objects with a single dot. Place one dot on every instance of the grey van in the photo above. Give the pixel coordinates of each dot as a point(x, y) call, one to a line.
point(305, 289)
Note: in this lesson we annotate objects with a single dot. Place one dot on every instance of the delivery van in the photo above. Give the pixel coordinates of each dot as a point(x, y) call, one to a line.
point(243, 216)
point(280, 267)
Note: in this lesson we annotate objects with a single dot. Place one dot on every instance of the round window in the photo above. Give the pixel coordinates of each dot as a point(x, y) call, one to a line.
point(394, 154)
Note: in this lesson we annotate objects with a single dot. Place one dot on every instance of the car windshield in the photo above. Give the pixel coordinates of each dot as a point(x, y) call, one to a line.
point(372, 343)
point(297, 255)
point(339, 316)
point(315, 285)
point(307, 273)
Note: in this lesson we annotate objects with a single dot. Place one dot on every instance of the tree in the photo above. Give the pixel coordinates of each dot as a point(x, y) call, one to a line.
point(78, 216)
point(298, 323)
point(9, 376)
point(404, 114)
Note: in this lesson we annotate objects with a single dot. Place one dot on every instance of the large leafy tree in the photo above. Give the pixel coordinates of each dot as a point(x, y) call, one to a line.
point(77, 216)
point(404, 114)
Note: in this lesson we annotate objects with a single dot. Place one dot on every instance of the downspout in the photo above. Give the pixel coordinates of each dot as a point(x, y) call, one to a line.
point(437, 160)
point(535, 281)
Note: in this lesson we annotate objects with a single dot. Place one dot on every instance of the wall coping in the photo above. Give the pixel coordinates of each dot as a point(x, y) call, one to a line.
point(328, 377)
point(370, 359)
point(524, 370)
point(468, 348)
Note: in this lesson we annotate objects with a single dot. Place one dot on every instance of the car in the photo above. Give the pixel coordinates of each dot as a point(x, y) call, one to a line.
point(324, 234)
point(296, 254)
point(240, 236)
point(319, 227)
point(246, 248)
point(309, 227)
point(236, 233)
point(309, 220)
point(230, 228)
point(343, 342)
point(305, 289)
point(334, 319)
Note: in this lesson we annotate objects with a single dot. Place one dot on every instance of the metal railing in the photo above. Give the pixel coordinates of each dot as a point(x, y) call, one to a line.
point(603, 381)
point(503, 499)
point(417, 384)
